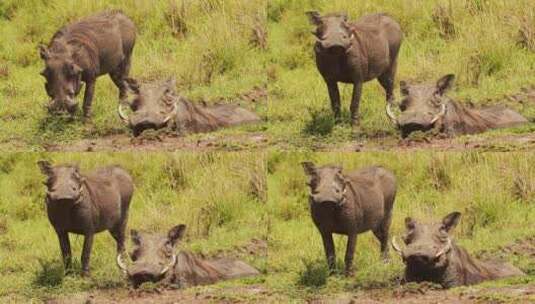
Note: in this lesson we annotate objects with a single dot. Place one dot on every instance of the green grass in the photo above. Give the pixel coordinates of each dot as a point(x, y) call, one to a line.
point(208, 45)
point(490, 59)
point(220, 197)
point(494, 191)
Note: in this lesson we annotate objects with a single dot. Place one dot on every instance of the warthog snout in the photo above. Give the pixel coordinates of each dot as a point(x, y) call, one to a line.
point(63, 106)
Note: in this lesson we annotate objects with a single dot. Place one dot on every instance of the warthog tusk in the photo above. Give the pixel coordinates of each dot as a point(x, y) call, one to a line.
point(439, 115)
point(172, 264)
point(122, 115)
point(396, 247)
point(173, 114)
point(121, 264)
point(391, 114)
point(446, 249)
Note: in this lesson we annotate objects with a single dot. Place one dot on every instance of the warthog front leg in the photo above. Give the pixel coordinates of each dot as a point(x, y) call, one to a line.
point(86, 253)
point(355, 102)
point(88, 97)
point(350, 251)
point(334, 96)
point(65, 246)
point(328, 246)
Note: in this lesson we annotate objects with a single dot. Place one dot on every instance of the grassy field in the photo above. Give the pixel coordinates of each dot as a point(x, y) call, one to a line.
point(489, 45)
point(220, 197)
point(494, 191)
point(216, 50)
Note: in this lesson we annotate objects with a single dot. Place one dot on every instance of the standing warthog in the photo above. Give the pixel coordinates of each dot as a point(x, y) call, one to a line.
point(425, 107)
point(356, 52)
point(431, 255)
point(157, 105)
point(87, 204)
point(82, 51)
point(154, 260)
point(349, 204)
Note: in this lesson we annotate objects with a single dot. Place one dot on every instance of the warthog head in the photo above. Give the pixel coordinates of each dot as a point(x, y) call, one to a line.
point(427, 245)
point(327, 184)
point(153, 255)
point(332, 31)
point(64, 183)
point(153, 106)
point(63, 80)
point(422, 106)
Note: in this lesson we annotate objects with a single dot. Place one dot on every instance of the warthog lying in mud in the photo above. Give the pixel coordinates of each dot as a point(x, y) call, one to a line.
point(87, 204)
point(356, 52)
point(349, 204)
point(82, 51)
point(431, 255)
point(154, 260)
point(157, 106)
point(425, 107)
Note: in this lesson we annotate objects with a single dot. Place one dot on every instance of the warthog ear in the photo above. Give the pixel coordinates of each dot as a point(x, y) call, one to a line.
point(445, 83)
point(134, 235)
point(43, 52)
point(410, 223)
point(314, 17)
point(450, 221)
point(133, 85)
point(404, 88)
point(45, 166)
point(171, 83)
point(176, 233)
point(309, 167)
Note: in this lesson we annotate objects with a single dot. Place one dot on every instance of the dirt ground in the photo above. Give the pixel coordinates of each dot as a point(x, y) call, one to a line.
point(159, 141)
point(258, 294)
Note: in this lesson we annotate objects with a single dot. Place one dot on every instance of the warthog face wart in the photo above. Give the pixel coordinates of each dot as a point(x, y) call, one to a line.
point(422, 106)
point(63, 80)
point(153, 255)
point(153, 106)
point(327, 184)
point(332, 31)
point(64, 183)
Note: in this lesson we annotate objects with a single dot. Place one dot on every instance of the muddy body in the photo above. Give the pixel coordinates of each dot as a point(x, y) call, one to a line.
point(427, 107)
point(154, 260)
point(156, 106)
point(87, 204)
point(83, 51)
point(349, 204)
point(431, 255)
point(354, 53)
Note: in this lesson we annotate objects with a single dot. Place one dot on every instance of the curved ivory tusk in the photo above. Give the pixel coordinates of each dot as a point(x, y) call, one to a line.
point(396, 247)
point(172, 264)
point(122, 115)
point(446, 249)
point(172, 115)
point(391, 114)
point(121, 264)
point(440, 114)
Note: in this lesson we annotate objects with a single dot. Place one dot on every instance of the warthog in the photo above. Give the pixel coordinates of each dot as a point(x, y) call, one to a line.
point(356, 52)
point(157, 106)
point(431, 255)
point(87, 204)
point(349, 204)
point(154, 260)
point(425, 107)
point(82, 51)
